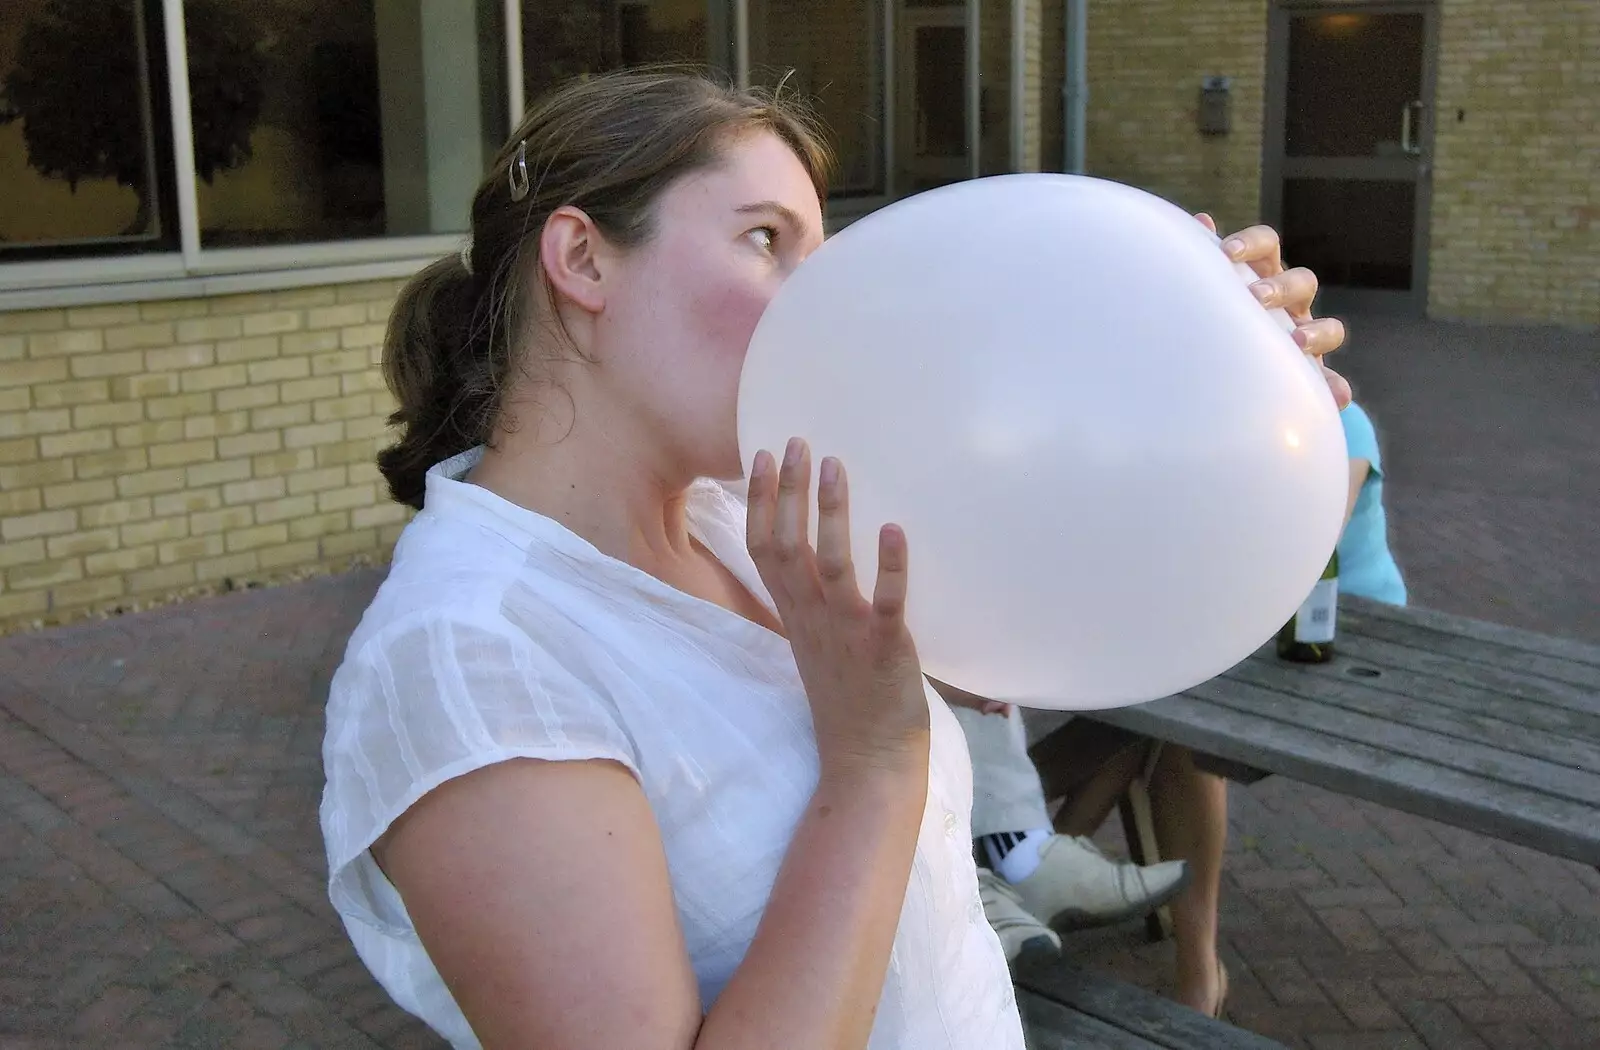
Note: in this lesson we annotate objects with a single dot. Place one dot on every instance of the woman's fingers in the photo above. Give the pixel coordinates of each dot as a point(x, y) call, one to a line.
point(791, 530)
point(1321, 336)
point(1294, 290)
point(889, 595)
point(1206, 220)
point(760, 518)
point(1256, 246)
point(759, 497)
point(835, 567)
point(777, 534)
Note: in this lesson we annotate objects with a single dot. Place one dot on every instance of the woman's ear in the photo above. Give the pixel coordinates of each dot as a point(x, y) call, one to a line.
point(569, 249)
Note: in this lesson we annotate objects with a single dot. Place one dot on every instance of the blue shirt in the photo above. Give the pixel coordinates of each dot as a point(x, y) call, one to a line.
point(1366, 568)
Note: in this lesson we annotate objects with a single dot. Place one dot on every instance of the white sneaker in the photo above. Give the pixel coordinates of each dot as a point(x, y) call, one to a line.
point(1076, 886)
point(1021, 935)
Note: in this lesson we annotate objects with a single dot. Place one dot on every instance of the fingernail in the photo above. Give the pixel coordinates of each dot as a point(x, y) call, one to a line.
point(1263, 291)
point(791, 455)
point(1233, 246)
point(830, 471)
point(758, 468)
point(1301, 338)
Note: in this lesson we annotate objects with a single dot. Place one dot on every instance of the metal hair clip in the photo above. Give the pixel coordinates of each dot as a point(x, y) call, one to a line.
point(519, 172)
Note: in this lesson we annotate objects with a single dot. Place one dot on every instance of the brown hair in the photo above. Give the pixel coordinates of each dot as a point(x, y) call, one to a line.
point(608, 145)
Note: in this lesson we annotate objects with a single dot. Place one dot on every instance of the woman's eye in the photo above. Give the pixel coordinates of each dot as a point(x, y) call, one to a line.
point(765, 238)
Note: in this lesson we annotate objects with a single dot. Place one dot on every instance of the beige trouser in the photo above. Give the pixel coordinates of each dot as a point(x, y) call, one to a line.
point(1006, 793)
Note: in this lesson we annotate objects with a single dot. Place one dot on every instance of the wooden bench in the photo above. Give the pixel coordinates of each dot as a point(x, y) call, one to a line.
point(1487, 728)
point(1067, 1008)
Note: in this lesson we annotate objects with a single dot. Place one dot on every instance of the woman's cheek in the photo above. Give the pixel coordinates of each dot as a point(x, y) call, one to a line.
point(734, 314)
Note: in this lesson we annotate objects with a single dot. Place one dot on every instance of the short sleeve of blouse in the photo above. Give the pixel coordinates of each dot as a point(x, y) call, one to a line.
point(428, 700)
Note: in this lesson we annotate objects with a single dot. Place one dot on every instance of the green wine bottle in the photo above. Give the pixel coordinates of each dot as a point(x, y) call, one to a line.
point(1308, 636)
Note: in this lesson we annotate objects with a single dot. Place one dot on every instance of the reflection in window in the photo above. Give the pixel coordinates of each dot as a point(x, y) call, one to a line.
point(832, 52)
point(339, 119)
point(83, 142)
point(994, 87)
point(562, 39)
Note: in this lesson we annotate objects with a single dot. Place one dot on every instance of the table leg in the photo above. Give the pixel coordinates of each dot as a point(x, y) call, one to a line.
point(1139, 828)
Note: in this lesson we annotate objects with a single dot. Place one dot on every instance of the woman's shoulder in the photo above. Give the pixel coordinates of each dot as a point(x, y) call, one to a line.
point(469, 653)
point(442, 571)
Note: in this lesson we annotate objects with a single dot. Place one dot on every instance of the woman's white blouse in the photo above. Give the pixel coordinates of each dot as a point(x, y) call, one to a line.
point(499, 634)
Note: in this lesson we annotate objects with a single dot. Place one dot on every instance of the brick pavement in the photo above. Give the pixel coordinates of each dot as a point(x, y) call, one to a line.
point(1492, 437)
point(161, 869)
point(161, 876)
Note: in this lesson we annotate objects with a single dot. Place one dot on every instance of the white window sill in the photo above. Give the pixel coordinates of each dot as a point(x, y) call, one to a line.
point(87, 282)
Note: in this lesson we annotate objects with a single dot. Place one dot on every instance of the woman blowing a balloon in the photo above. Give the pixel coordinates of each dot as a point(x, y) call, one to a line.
point(610, 763)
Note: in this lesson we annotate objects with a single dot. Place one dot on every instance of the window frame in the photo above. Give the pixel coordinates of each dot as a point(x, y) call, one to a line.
point(193, 270)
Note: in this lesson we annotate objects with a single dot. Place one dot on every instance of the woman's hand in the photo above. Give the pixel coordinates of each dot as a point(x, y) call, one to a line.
point(856, 657)
point(1294, 290)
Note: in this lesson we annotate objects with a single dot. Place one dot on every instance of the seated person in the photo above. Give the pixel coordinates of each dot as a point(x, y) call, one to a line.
point(1035, 882)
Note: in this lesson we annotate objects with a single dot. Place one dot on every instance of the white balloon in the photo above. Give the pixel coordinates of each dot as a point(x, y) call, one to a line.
point(1117, 474)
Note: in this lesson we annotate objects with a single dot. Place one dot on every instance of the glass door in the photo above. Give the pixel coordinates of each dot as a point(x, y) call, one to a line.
point(1347, 151)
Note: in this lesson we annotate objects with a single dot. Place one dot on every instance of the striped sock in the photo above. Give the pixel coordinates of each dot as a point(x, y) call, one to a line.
point(1014, 855)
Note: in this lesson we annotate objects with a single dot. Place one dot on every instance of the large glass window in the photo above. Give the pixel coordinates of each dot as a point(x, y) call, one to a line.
point(84, 149)
point(313, 120)
point(562, 39)
point(832, 52)
point(944, 132)
point(318, 120)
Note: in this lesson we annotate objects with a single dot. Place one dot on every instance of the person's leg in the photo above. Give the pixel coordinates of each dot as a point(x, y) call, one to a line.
point(1191, 822)
point(1087, 808)
point(1006, 803)
point(1065, 881)
point(1009, 819)
point(1006, 795)
point(1022, 936)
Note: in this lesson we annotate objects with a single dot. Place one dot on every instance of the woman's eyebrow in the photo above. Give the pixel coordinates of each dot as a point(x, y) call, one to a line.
point(783, 211)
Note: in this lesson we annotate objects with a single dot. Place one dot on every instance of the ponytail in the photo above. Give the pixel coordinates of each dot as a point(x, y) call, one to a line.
point(438, 362)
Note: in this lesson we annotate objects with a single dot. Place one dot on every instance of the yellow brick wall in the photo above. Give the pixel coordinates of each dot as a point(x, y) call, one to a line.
point(1516, 200)
point(1515, 217)
point(1146, 61)
point(147, 448)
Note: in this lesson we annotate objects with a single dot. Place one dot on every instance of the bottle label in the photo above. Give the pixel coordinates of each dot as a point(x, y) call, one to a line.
point(1314, 623)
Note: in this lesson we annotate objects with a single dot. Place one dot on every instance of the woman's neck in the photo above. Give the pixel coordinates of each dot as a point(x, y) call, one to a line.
point(621, 503)
point(617, 501)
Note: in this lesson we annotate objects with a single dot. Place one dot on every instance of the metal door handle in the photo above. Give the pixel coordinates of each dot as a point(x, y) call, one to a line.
point(1408, 127)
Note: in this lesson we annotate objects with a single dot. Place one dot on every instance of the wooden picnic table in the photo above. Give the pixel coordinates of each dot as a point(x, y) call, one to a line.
point(1487, 728)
